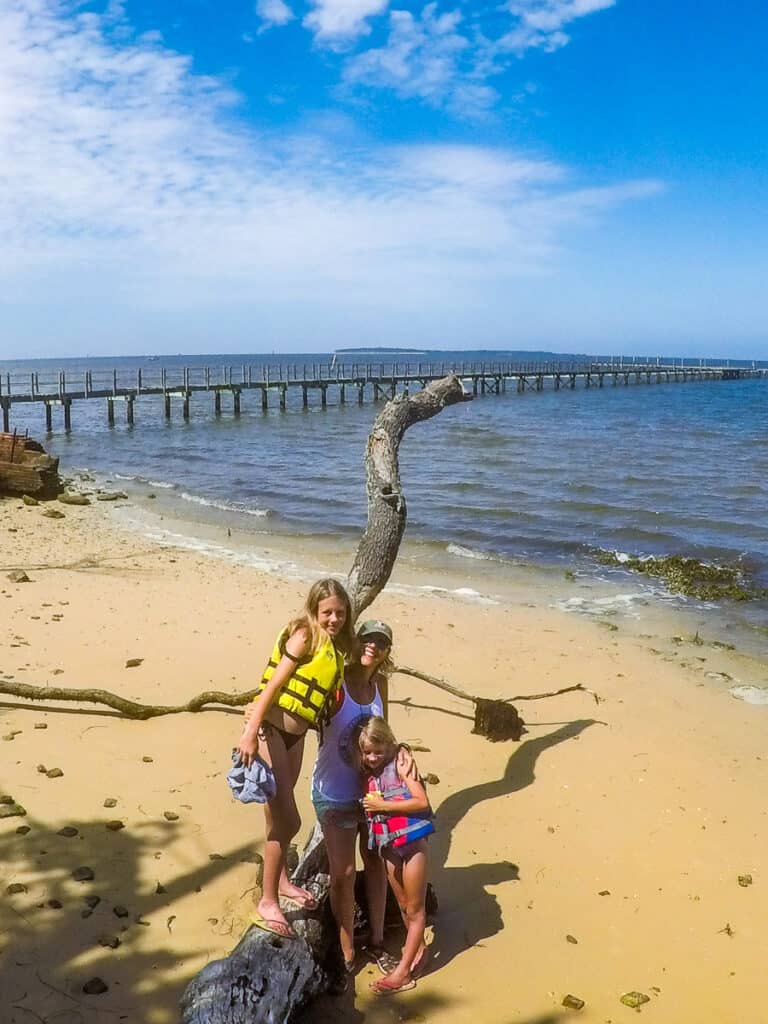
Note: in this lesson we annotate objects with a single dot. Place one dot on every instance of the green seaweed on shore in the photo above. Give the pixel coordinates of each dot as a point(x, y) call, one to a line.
point(689, 577)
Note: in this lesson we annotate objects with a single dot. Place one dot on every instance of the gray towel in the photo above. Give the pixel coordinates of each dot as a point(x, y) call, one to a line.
point(251, 785)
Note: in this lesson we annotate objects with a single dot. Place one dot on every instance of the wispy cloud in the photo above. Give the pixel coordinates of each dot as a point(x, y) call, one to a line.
point(423, 57)
point(273, 13)
point(338, 23)
point(444, 57)
point(128, 183)
point(538, 24)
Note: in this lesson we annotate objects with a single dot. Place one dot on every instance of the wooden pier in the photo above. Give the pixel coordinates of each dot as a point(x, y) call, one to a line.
point(382, 381)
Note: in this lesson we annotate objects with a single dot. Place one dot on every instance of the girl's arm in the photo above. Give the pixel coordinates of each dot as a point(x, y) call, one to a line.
point(417, 802)
point(295, 648)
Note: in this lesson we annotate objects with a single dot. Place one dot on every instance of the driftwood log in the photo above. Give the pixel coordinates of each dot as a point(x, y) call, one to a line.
point(267, 979)
point(25, 468)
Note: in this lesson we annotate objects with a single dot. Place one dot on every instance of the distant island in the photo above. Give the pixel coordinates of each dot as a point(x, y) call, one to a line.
point(378, 349)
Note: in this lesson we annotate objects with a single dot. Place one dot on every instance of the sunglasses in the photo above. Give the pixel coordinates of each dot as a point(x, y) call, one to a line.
point(380, 642)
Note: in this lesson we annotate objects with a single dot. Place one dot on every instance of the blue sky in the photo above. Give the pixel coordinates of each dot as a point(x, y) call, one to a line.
point(299, 175)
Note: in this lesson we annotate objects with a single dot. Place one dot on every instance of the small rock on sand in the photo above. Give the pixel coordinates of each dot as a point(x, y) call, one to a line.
point(114, 826)
point(54, 773)
point(95, 987)
point(573, 1002)
point(83, 874)
point(68, 832)
point(74, 499)
point(133, 662)
point(14, 888)
point(18, 576)
point(634, 999)
point(170, 815)
point(110, 802)
point(12, 811)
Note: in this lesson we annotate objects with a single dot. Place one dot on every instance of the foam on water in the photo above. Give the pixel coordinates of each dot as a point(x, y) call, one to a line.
point(224, 506)
point(750, 694)
point(599, 606)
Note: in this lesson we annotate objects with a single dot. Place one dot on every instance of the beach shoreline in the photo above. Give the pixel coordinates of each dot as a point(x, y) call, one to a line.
point(652, 796)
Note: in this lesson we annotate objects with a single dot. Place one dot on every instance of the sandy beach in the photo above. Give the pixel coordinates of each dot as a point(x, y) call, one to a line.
point(599, 856)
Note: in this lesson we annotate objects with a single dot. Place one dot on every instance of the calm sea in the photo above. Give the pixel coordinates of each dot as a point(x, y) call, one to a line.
point(543, 479)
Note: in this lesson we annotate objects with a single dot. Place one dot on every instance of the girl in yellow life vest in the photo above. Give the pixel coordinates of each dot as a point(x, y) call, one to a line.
point(302, 676)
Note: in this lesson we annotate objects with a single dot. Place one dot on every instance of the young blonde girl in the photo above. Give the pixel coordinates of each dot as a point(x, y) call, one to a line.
point(399, 814)
point(302, 676)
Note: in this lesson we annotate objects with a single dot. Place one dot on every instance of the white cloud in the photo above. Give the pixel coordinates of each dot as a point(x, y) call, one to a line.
point(539, 23)
point(446, 59)
point(425, 58)
point(127, 190)
point(341, 22)
point(273, 13)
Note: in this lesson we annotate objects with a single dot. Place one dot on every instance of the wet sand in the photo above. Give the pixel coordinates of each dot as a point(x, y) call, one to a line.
point(600, 855)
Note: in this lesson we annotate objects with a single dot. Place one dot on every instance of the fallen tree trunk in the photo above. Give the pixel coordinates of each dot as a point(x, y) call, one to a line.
point(210, 698)
point(267, 979)
point(494, 719)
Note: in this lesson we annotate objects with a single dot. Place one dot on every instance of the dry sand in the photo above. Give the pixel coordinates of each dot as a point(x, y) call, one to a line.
point(598, 856)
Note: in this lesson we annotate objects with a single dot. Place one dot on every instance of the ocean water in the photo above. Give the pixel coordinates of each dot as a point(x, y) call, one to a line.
point(534, 479)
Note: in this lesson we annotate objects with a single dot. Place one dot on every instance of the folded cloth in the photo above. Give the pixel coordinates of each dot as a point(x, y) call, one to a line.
point(251, 785)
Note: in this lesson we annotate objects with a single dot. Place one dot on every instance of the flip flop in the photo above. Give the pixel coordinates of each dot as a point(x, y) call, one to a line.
point(280, 928)
point(381, 988)
point(306, 901)
point(384, 960)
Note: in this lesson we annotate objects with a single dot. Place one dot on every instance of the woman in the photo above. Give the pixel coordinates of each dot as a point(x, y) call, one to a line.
point(337, 786)
point(300, 681)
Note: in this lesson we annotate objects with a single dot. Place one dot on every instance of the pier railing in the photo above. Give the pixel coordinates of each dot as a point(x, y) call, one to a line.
point(52, 388)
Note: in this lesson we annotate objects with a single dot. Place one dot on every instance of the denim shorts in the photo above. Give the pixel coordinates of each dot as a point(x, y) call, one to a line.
point(340, 813)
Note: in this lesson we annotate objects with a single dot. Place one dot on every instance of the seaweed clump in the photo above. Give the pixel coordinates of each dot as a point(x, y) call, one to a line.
point(689, 577)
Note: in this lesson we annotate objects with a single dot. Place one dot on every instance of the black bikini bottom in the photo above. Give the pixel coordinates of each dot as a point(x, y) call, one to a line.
point(290, 739)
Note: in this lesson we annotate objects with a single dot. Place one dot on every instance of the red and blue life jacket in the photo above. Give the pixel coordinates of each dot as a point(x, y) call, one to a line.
point(387, 828)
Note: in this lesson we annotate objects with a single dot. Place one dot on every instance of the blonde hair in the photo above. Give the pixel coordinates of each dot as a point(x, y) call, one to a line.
point(307, 621)
point(377, 732)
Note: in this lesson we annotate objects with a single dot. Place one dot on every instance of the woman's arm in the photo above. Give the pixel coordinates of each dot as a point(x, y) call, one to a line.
point(383, 684)
point(295, 648)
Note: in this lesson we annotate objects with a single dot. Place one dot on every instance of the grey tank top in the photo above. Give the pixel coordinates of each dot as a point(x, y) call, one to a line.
point(335, 775)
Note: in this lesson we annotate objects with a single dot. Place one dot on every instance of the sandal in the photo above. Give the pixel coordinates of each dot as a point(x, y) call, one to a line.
point(384, 960)
point(280, 928)
point(384, 987)
point(305, 901)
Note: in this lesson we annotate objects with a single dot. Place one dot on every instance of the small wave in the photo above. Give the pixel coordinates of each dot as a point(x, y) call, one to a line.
point(599, 606)
point(750, 694)
point(224, 506)
point(162, 485)
point(465, 593)
point(461, 552)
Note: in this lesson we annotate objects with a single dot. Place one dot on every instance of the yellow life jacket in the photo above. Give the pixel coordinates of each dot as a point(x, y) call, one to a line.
point(314, 680)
